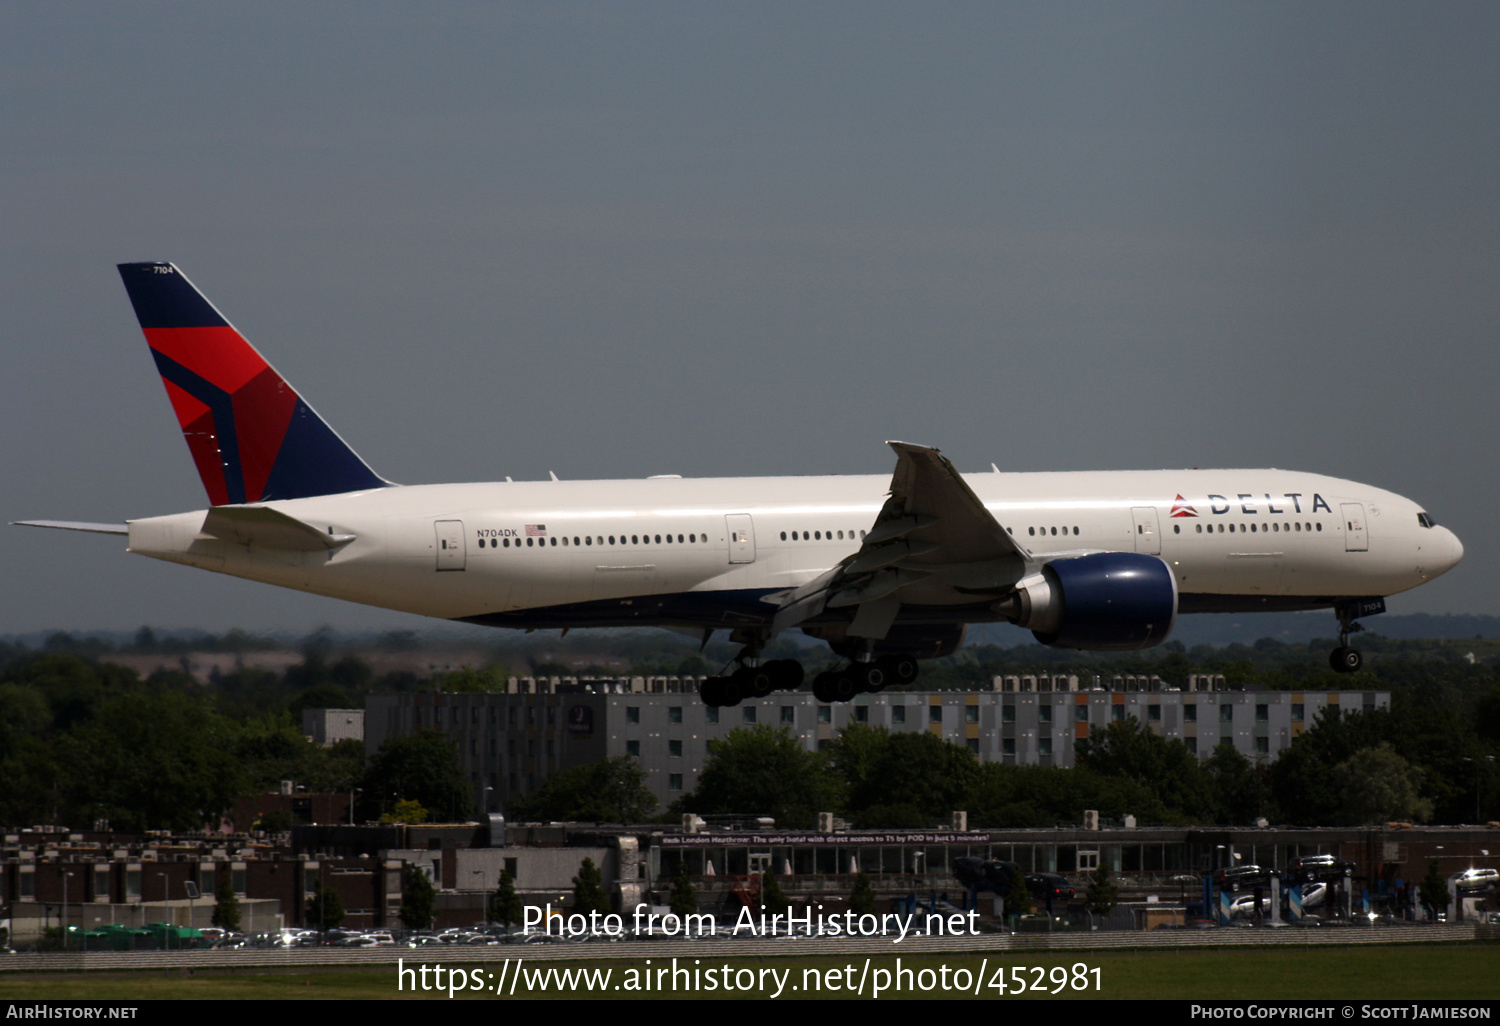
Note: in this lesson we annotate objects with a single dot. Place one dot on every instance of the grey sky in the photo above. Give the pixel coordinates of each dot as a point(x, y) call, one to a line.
point(627, 239)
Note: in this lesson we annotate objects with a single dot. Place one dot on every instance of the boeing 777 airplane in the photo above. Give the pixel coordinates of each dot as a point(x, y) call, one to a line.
point(886, 571)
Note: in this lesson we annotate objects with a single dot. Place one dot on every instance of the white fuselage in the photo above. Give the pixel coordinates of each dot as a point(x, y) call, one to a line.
point(659, 551)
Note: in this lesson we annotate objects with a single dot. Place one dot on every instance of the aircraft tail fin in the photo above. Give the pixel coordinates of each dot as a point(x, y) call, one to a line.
point(251, 435)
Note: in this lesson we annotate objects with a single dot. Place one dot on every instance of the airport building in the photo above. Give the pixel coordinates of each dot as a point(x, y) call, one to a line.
point(511, 742)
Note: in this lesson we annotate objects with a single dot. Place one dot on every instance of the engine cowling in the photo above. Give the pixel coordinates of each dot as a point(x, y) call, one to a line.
point(1105, 602)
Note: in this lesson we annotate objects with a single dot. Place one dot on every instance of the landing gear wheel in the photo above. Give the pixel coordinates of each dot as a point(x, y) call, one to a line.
point(731, 690)
point(1345, 659)
point(844, 684)
point(900, 670)
point(755, 681)
point(786, 673)
point(708, 691)
point(871, 677)
point(822, 688)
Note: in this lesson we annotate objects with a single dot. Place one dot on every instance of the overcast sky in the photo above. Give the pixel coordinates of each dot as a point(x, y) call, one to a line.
point(737, 239)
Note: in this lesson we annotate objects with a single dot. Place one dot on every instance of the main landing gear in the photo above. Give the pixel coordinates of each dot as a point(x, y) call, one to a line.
point(1346, 659)
point(843, 684)
point(756, 679)
point(748, 681)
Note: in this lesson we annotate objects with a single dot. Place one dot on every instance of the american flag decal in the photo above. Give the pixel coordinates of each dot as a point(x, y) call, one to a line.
point(1182, 508)
point(538, 530)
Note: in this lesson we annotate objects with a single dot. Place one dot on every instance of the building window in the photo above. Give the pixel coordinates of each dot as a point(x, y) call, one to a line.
point(710, 714)
point(1044, 713)
point(1081, 713)
point(825, 714)
point(1044, 745)
point(1192, 744)
point(1117, 713)
point(1226, 713)
point(973, 745)
point(1262, 713)
point(898, 714)
point(633, 748)
point(1007, 714)
point(971, 714)
point(674, 782)
point(674, 749)
point(1153, 713)
point(862, 713)
point(1297, 708)
point(749, 714)
point(788, 714)
point(1262, 746)
point(632, 714)
point(674, 714)
point(934, 714)
point(1007, 746)
point(1190, 714)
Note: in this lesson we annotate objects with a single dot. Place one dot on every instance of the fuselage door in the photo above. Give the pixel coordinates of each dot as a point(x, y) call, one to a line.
point(741, 537)
point(450, 544)
point(1355, 539)
point(1146, 537)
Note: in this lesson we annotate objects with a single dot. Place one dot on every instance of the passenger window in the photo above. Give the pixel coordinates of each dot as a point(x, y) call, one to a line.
point(1032, 531)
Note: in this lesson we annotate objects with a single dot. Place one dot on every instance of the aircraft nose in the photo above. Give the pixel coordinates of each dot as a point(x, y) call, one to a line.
point(1457, 550)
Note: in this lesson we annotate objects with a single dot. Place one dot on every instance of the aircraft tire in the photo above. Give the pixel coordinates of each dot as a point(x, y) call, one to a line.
point(822, 689)
point(1345, 659)
point(901, 669)
point(844, 685)
point(871, 677)
point(787, 673)
point(708, 691)
point(755, 681)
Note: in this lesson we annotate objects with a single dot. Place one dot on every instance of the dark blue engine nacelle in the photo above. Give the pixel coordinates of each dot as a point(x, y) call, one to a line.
point(1106, 602)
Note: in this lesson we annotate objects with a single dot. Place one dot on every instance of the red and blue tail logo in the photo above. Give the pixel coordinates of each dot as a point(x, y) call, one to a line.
point(250, 433)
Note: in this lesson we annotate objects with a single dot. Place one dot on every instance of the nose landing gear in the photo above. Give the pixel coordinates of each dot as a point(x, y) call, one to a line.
point(1345, 658)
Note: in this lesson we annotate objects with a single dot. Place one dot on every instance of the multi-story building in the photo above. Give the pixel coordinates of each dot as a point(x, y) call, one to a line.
point(510, 743)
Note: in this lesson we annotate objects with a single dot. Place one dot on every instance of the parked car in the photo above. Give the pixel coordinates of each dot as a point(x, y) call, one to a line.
point(1471, 880)
point(1053, 887)
point(1317, 867)
point(1238, 877)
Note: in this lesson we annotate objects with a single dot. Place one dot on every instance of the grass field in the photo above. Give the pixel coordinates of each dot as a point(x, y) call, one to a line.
point(1395, 972)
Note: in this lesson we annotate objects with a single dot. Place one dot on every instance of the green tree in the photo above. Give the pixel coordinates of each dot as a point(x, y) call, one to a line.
point(425, 768)
point(1240, 791)
point(226, 904)
point(608, 791)
point(684, 900)
point(588, 889)
point(902, 780)
point(1103, 893)
point(326, 910)
point(767, 771)
point(1377, 786)
point(1432, 892)
point(417, 899)
point(862, 898)
point(771, 895)
point(1161, 765)
point(152, 760)
point(406, 811)
point(505, 903)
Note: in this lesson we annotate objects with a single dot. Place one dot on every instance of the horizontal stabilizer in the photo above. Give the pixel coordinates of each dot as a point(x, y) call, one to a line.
point(267, 528)
point(74, 525)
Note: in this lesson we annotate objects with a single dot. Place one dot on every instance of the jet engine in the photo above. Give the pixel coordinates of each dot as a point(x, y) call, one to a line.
point(1106, 602)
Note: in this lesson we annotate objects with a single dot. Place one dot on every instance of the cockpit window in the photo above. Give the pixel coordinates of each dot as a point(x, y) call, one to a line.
point(1426, 520)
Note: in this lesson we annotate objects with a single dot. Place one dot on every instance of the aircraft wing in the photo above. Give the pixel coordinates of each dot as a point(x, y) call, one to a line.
point(932, 544)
